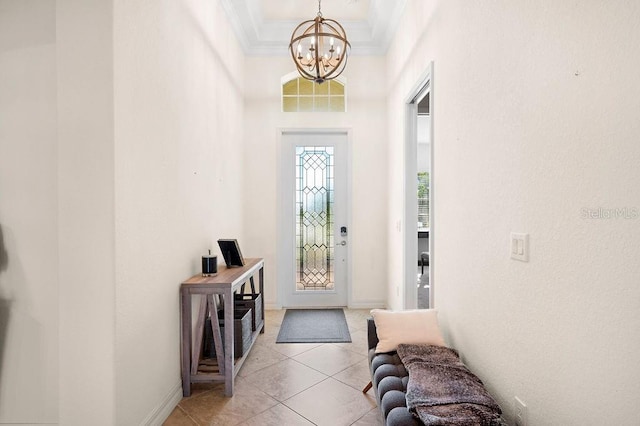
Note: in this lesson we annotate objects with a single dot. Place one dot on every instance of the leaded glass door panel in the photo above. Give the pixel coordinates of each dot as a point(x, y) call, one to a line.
point(316, 196)
point(314, 218)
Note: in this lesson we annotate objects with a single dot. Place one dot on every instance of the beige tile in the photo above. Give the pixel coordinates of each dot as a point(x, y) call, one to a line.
point(179, 418)
point(261, 356)
point(357, 376)
point(274, 313)
point(270, 334)
point(329, 359)
point(268, 367)
point(358, 342)
point(292, 349)
point(273, 317)
point(331, 403)
point(213, 408)
point(268, 339)
point(285, 379)
point(357, 318)
point(279, 415)
point(198, 389)
point(372, 418)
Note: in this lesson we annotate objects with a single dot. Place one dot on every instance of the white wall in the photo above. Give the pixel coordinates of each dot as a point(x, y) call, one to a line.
point(535, 109)
point(57, 212)
point(120, 164)
point(28, 213)
point(365, 117)
point(178, 177)
point(84, 49)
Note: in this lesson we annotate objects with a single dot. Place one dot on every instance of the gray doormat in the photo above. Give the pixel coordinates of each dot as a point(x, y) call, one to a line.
point(314, 326)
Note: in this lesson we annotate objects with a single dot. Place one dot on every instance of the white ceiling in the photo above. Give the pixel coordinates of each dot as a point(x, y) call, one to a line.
point(264, 27)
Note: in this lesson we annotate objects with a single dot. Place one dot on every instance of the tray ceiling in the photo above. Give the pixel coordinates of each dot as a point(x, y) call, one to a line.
point(264, 27)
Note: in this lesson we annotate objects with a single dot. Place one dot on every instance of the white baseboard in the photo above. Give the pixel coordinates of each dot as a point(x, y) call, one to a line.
point(352, 305)
point(166, 407)
point(369, 304)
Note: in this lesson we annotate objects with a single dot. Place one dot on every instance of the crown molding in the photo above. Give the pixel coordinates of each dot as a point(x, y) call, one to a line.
point(259, 37)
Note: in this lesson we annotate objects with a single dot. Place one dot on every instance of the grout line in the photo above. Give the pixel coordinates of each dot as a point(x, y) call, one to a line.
point(263, 411)
point(300, 414)
point(186, 413)
point(325, 376)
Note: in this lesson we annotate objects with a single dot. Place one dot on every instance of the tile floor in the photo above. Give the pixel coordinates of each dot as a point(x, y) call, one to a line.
point(291, 384)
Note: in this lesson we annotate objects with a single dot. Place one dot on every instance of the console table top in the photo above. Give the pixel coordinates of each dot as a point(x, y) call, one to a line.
point(225, 276)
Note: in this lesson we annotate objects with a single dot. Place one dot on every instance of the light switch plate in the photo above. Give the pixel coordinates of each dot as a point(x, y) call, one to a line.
point(519, 247)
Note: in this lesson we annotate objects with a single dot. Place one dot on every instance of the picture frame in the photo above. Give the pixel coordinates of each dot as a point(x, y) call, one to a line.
point(231, 252)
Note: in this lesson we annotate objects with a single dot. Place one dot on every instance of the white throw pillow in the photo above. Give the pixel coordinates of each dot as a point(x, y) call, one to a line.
point(411, 326)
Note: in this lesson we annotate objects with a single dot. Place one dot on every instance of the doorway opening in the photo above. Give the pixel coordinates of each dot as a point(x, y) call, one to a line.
point(419, 195)
point(424, 201)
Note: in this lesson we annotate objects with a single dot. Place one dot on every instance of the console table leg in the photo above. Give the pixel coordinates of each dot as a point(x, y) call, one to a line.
point(185, 297)
point(229, 350)
point(261, 289)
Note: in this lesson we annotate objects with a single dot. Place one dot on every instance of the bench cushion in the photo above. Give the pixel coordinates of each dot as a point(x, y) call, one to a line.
point(419, 326)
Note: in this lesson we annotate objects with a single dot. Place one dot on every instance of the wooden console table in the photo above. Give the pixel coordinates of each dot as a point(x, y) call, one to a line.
point(224, 284)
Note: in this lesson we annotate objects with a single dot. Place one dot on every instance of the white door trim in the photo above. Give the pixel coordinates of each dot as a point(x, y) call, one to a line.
point(282, 206)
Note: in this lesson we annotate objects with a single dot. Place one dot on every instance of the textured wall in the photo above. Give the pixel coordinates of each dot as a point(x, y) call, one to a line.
point(535, 109)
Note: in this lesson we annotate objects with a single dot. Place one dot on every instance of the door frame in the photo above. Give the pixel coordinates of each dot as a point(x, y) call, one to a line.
point(281, 206)
point(423, 86)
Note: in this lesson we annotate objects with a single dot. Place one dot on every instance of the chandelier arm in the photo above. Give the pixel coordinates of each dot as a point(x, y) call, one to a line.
point(337, 69)
point(303, 72)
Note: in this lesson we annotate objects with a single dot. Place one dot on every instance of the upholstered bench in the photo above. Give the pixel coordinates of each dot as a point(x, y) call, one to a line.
point(390, 378)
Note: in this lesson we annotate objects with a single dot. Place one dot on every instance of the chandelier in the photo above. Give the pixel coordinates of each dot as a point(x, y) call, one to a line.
point(319, 48)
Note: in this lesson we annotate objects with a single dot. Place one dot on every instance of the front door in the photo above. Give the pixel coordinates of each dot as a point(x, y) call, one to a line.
point(314, 220)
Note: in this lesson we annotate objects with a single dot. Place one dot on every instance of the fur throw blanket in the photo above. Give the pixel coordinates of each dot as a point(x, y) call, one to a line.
point(442, 391)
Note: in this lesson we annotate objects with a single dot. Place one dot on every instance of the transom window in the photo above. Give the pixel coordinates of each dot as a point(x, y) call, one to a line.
point(301, 95)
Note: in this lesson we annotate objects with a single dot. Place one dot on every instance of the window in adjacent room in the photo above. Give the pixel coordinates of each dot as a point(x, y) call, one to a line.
point(301, 95)
point(423, 199)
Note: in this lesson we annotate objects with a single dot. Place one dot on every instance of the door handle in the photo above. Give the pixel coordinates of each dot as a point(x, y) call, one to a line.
point(342, 243)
